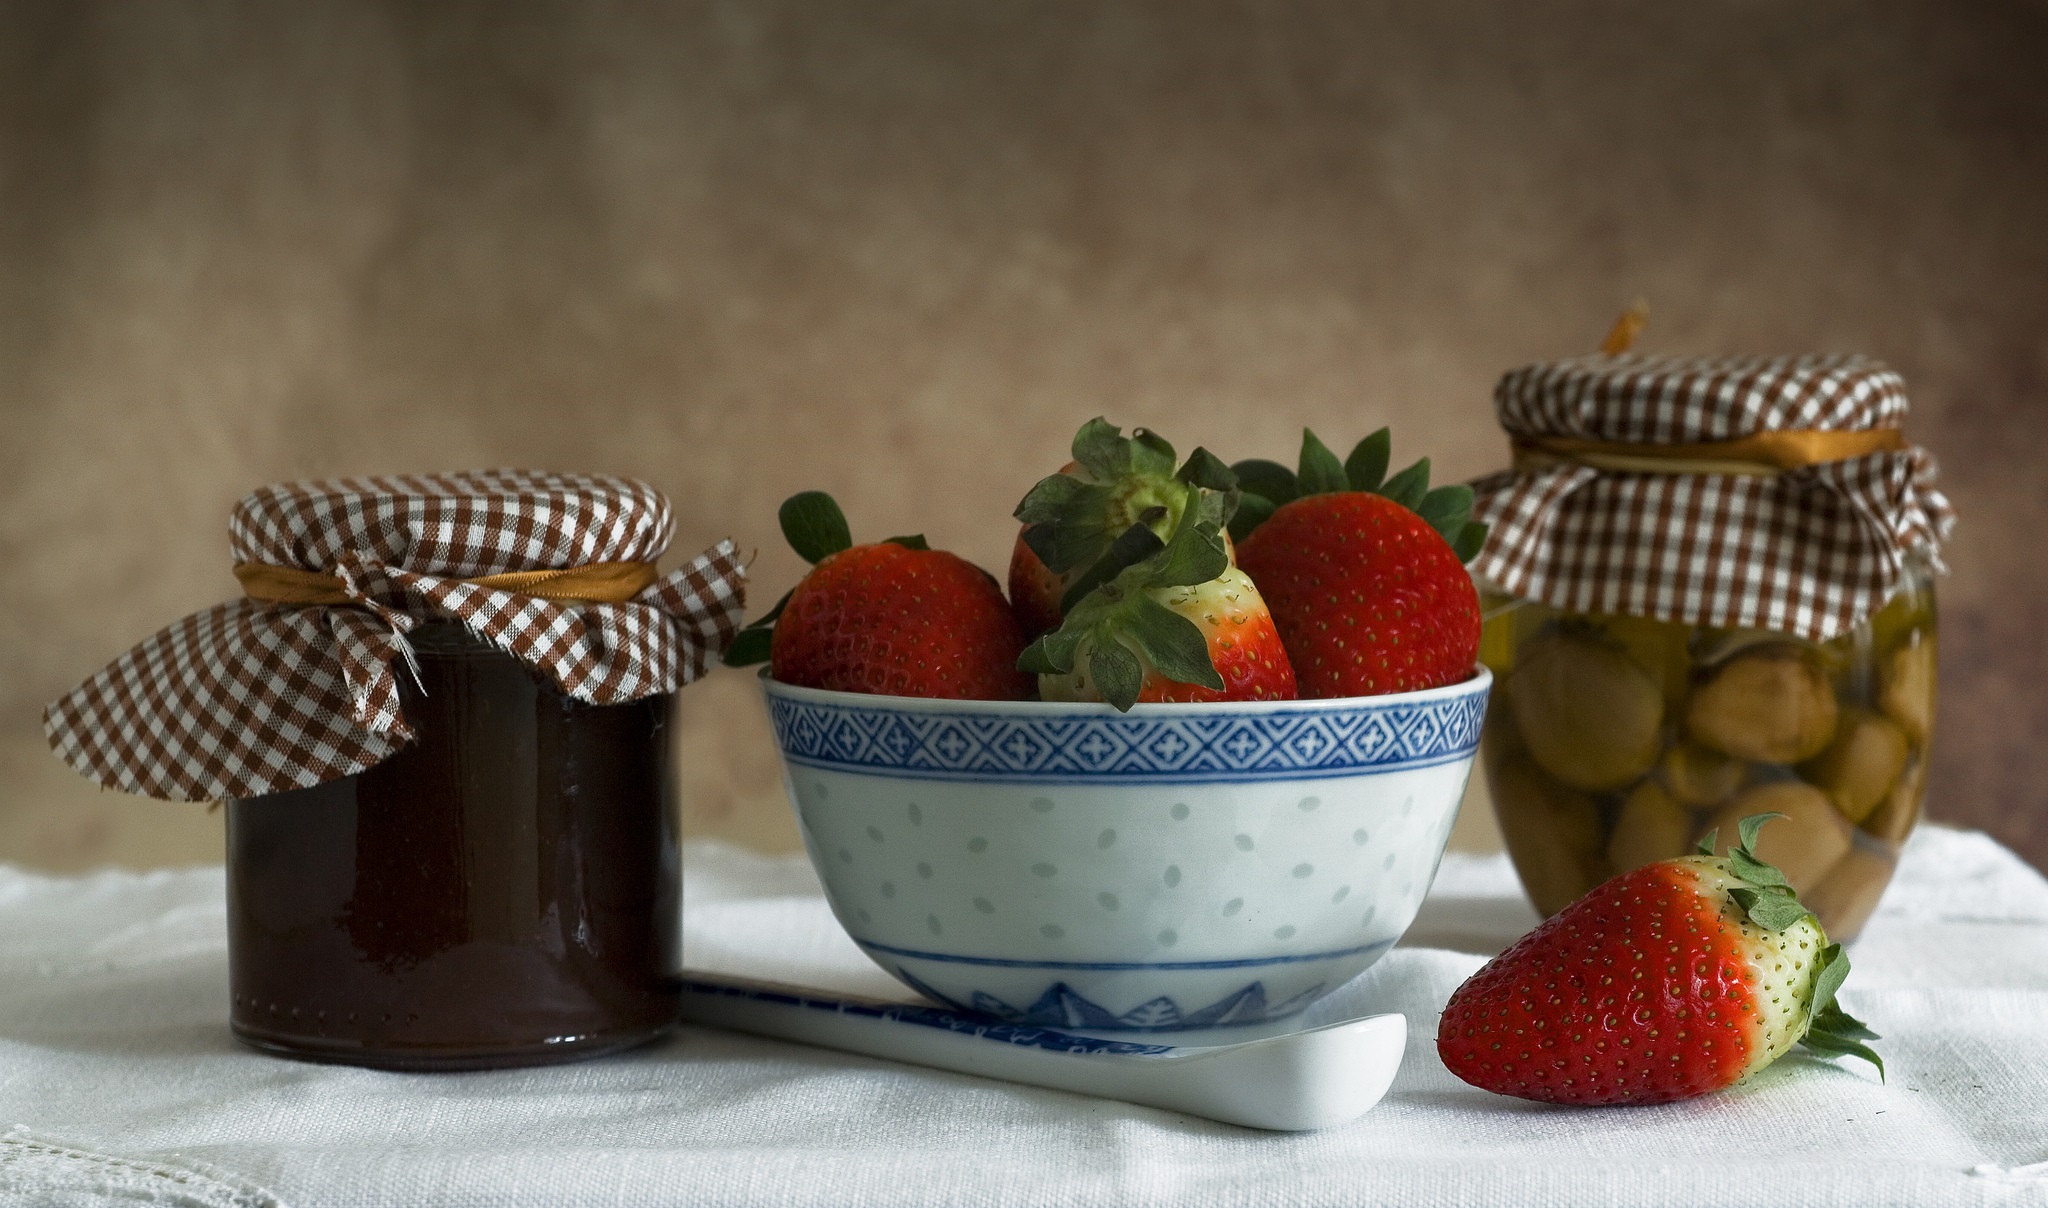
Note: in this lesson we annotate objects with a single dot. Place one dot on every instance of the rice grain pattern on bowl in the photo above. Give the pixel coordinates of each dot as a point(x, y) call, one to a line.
point(1173, 867)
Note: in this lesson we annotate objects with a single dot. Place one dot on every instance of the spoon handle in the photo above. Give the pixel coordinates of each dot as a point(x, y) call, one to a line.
point(1300, 1080)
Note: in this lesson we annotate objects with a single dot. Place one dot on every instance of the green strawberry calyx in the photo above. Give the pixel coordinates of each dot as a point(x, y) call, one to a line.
point(1073, 518)
point(1111, 609)
point(1769, 901)
point(816, 529)
point(1266, 486)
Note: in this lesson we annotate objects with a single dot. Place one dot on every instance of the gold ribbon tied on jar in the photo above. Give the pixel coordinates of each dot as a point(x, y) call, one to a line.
point(597, 583)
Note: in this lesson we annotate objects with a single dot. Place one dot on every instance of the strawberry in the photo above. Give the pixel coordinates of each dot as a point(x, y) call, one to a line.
point(1034, 591)
point(897, 618)
point(1670, 981)
point(1366, 578)
point(1164, 622)
point(1073, 517)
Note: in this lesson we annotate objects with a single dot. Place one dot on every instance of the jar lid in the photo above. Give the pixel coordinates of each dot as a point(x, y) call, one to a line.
point(294, 684)
point(1676, 400)
point(1737, 492)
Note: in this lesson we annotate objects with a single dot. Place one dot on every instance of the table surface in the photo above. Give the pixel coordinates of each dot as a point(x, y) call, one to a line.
point(119, 1082)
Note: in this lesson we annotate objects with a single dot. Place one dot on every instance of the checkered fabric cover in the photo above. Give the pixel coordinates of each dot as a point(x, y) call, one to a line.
point(250, 698)
point(1810, 551)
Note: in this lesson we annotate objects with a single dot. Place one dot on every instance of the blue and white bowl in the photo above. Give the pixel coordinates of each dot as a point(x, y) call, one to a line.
point(1174, 867)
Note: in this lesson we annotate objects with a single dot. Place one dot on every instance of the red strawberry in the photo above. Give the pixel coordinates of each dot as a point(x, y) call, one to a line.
point(1034, 591)
point(1071, 518)
point(1670, 981)
point(1172, 622)
point(1366, 580)
point(1243, 648)
point(895, 619)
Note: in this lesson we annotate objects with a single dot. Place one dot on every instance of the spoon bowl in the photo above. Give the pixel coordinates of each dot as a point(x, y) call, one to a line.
point(1290, 1082)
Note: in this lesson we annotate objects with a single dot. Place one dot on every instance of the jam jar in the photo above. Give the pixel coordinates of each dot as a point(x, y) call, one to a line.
point(504, 891)
point(1615, 740)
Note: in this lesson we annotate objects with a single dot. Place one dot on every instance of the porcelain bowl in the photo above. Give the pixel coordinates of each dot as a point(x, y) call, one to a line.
point(1174, 867)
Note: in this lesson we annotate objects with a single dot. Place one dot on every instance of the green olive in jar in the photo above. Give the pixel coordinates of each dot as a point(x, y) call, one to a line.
point(1586, 712)
point(1894, 817)
point(1862, 763)
point(1553, 834)
point(1700, 777)
point(1907, 695)
point(1849, 892)
point(1772, 703)
point(1651, 826)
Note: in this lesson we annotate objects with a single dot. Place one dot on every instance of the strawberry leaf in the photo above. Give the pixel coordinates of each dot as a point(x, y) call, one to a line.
point(1409, 486)
point(1832, 972)
point(1267, 479)
point(1447, 510)
point(1252, 511)
point(1171, 643)
point(1205, 469)
point(1064, 547)
point(1101, 449)
point(913, 541)
point(1117, 674)
point(1366, 468)
point(1071, 518)
point(749, 646)
point(1841, 1023)
point(1755, 871)
point(1708, 842)
point(1053, 495)
point(1052, 654)
point(1836, 1033)
point(1136, 544)
point(1321, 473)
point(1470, 540)
point(1212, 506)
point(1746, 830)
point(1150, 454)
point(1769, 909)
point(1195, 555)
point(1829, 1045)
point(814, 525)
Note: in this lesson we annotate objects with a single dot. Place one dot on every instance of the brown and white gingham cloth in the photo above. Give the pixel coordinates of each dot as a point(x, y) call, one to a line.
point(1809, 551)
point(251, 698)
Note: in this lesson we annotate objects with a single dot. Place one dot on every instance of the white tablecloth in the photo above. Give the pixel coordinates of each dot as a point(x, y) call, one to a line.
point(122, 1085)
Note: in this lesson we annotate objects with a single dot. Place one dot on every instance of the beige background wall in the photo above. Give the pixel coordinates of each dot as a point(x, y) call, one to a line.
point(899, 251)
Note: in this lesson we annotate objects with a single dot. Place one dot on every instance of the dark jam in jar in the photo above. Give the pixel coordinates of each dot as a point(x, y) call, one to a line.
point(503, 892)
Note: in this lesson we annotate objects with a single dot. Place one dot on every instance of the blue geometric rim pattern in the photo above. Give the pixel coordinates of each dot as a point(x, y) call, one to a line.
point(1059, 1006)
point(1135, 749)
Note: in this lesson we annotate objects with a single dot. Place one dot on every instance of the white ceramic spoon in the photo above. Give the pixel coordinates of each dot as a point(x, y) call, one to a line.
point(1298, 1080)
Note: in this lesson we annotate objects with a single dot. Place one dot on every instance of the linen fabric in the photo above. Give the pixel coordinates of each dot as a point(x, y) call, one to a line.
point(1809, 551)
point(251, 698)
point(119, 1082)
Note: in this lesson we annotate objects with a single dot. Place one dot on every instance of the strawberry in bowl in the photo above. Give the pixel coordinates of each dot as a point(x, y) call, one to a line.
point(1365, 574)
point(896, 617)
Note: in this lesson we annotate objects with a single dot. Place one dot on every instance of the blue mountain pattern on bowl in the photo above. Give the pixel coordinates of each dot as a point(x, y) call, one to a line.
point(970, 1023)
point(1279, 745)
point(1060, 1006)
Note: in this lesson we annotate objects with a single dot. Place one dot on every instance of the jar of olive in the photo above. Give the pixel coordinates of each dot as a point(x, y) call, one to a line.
point(1709, 594)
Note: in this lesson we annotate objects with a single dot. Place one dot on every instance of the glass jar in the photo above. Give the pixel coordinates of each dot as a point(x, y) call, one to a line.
point(1614, 741)
point(503, 892)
